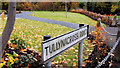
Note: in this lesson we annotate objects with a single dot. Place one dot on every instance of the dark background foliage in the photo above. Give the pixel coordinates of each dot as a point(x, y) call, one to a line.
point(97, 7)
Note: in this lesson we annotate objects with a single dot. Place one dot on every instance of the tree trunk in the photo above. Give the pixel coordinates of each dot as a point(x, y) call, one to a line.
point(53, 6)
point(9, 26)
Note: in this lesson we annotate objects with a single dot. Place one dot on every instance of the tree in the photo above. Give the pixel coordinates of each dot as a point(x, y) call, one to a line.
point(81, 5)
point(5, 5)
point(8, 27)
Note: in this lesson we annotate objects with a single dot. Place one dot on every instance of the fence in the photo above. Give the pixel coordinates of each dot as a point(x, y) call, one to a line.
point(117, 44)
point(106, 30)
point(104, 18)
point(111, 51)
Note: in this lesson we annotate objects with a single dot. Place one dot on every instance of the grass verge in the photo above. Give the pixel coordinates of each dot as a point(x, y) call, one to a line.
point(61, 16)
point(33, 31)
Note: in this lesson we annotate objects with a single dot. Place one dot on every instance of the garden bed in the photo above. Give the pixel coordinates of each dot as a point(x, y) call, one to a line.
point(106, 19)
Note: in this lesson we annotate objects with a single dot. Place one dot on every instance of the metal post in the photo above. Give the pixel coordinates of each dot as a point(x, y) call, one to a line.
point(98, 24)
point(80, 51)
point(66, 8)
point(48, 65)
point(80, 54)
point(114, 20)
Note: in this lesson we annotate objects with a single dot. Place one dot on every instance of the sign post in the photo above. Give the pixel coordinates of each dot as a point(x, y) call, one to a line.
point(52, 47)
point(80, 51)
point(80, 54)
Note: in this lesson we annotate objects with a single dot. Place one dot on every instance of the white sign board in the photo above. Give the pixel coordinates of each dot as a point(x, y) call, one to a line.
point(57, 45)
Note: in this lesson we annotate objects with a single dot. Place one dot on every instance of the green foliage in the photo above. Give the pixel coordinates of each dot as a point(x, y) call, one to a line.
point(104, 7)
point(114, 7)
point(21, 44)
point(9, 65)
point(21, 57)
point(4, 5)
point(15, 54)
point(24, 59)
point(43, 6)
point(81, 4)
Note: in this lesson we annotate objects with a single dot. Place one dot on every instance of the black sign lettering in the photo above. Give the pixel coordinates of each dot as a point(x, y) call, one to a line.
point(46, 50)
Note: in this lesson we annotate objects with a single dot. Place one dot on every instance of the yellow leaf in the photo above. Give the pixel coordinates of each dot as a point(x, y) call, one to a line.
point(74, 64)
point(15, 59)
point(11, 59)
point(53, 62)
point(1, 64)
point(35, 59)
point(2, 60)
point(23, 50)
point(71, 48)
point(60, 61)
point(2, 16)
point(25, 30)
point(53, 59)
point(94, 41)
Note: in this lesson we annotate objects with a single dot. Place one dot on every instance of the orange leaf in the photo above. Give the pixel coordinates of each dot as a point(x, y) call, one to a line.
point(74, 64)
point(2, 59)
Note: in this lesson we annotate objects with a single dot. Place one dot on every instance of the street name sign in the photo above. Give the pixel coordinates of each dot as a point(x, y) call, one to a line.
point(53, 47)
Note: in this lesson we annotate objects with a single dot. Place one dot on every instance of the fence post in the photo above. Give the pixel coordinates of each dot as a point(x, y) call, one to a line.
point(80, 51)
point(117, 50)
point(48, 65)
point(98, 24)
point(114, 20)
